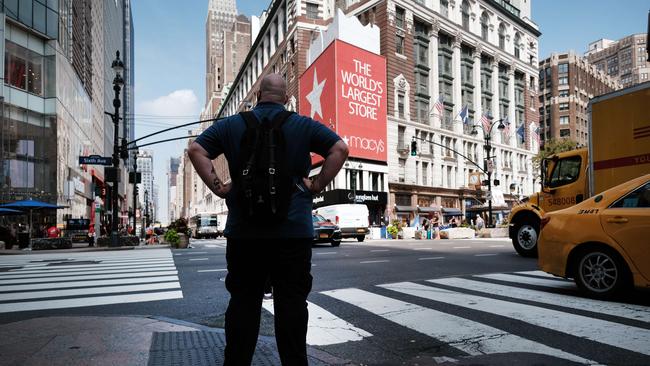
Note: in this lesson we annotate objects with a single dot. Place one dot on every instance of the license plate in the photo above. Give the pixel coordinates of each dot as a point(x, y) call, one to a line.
point(323, 235)
point(361, 231)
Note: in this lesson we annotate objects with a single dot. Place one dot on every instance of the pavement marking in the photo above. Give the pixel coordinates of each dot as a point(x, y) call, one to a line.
point(540, 274)
point(617, 335)
point(558, 283)
point(422, 248)
point(325, 328)
point(635, 312)
point(380, 250)
point(89, 301)
point(199, 259)
point(89, 291)
point(462, 247)
point(84, 277)
point(326, 253)
point(496, 246)
point(213, 270)
point(379, 261)
point(45, 286)
point(94, 266)
point(47, 274)
point(448, 328)
point(429, 258)
point(485, 255)
point(191, 253)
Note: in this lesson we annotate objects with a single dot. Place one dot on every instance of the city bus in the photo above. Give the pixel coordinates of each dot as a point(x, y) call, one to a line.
point(204, 225)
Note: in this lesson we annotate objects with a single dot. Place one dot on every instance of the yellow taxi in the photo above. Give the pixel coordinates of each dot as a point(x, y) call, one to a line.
point(603, 243)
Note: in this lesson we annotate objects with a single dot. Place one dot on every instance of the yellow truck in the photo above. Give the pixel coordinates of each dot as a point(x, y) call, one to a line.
point(619, 150)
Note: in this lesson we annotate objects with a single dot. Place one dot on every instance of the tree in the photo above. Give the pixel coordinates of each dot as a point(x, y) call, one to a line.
point(552, 146)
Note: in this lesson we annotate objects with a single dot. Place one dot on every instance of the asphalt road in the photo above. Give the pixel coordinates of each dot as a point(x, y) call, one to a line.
point(373, 303)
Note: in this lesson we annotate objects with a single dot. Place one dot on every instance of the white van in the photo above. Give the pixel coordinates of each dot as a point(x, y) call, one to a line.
point(352, 219)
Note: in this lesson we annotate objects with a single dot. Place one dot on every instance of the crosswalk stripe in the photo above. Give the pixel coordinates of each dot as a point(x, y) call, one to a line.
point(88, 291)
point(89, 301)
point(539, 274)
point(86, 277)
point(107, 266)
point(325, 328)
point(561, 284)
point(628, 311)
point(44, 274)
point(122, 281)
point(468, 336)
point(618, 335)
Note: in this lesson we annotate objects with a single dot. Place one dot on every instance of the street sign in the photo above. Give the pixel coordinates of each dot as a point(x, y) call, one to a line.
point(96, 160)
point(488, 195)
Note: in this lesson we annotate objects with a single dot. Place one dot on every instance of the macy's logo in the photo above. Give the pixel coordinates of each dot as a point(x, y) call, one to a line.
point(364, 143)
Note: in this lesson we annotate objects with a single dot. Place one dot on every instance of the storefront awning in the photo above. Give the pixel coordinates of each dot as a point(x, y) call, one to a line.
point(451, 211)
point(429, 209)
point(404, 208)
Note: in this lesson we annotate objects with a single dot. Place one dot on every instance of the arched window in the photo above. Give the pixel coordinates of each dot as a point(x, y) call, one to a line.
point(502, 36)
point(464, 8)
point(518, 45)
point(484, 26)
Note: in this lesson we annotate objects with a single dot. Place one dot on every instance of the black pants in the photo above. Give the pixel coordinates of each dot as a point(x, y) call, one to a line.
point(287, 263)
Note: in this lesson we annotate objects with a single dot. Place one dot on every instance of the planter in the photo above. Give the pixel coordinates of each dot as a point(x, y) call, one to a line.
point(51, 243)
point(183, 242)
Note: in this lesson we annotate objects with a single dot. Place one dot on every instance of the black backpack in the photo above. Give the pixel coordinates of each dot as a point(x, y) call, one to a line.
point(263, 182)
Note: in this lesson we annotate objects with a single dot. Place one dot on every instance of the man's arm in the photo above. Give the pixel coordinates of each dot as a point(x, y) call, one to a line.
point(204, 168)
point(333, 162)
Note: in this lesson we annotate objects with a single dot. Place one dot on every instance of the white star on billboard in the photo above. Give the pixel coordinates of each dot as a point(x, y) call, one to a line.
point(314, 96)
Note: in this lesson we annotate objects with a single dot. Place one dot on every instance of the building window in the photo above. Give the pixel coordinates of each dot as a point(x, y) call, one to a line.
point(400, 105)
point(564, 120)
point(518, 46)
point(564, 106)
point(565, 133)
point(402, 170)
point(399, 44)
point(484, 26)
point(29, 71)
point(502, 36)
point(399, 17)
point(446, 76)
point(312, 11)
point(464, 8)
point(563, 80)
point(563, 68)
point(444, 7)
point(422, 108)
point(563, 93)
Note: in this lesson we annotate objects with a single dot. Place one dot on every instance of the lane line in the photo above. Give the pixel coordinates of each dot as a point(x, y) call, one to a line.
point(429, 258)
point(422, 248)
point(635, 312)
point(325, 328)
point(602, 331)
point(466, 335)
point(326, 253)
point(380, 250)
point(462, 247)
point(378, 261)
point(89, 301)
point(199, 259)
point(496, 246)
point(485, 255)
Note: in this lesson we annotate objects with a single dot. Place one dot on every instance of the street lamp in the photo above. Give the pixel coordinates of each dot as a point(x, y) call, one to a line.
point(118, 67)
point(487, 162)
point(135, 188)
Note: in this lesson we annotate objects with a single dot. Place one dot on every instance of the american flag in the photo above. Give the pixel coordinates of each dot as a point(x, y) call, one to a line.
point(536, 131)
point(506, 131)
point(438, 104)
point(464, 115)
point(485, 121)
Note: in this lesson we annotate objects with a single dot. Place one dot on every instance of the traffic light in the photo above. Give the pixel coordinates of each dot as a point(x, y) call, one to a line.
point(136, 189)
point(414, 147)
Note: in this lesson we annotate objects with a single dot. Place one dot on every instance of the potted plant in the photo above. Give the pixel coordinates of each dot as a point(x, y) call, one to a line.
point(392, 231)
point(182, 230)
point(172, 237)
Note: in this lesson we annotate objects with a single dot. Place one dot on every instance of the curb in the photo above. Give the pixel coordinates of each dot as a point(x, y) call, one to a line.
point(82, 249)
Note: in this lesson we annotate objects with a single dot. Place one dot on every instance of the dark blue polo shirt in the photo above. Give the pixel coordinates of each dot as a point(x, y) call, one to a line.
point(302, 135)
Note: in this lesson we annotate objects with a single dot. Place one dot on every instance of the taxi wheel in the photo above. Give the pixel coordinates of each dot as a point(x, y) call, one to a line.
point(361, 238)
point(525, 240)
point(336, 243)
point(600, 273)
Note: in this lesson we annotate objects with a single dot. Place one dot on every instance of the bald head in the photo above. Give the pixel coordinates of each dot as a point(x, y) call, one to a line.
point(273, 89)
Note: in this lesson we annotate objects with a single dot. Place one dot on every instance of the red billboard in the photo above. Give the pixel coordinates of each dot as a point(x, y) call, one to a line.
point(345, 89)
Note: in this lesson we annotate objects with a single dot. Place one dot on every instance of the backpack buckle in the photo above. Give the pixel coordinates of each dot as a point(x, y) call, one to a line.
point(272, 171)
point(245, 172)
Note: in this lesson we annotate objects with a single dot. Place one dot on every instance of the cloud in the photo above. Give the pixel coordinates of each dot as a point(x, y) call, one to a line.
point(181, 102)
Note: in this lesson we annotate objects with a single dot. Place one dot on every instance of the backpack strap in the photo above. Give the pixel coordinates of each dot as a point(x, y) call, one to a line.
point(250, 118)
point(253, 124)
point(273, 128)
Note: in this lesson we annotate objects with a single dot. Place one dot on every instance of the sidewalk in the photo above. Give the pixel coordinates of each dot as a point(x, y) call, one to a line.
point(80, 247)
point(127, 340)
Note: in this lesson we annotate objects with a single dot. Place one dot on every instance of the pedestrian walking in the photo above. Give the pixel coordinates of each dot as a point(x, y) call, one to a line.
point(480, 223)
point(268, 153)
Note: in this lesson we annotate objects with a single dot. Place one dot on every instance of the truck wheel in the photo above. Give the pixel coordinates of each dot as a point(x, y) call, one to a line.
point(361, 238)
point(336, 243)
point(599, 273)
point(525, 239)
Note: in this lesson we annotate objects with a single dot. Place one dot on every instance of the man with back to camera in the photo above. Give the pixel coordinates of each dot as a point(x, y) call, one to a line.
point(282, 250)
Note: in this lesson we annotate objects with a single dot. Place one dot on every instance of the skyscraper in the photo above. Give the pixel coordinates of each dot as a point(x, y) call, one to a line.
point(221, 16)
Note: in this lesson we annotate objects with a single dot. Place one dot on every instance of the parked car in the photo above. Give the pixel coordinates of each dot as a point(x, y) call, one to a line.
point(602, 242)
point(325, 231)
point(351, 218)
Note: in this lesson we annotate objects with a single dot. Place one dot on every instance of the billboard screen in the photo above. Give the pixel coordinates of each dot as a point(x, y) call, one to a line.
point(345, 88)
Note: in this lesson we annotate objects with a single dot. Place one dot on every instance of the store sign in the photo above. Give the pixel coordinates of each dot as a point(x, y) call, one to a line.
point(338, 196)
point(345, 89)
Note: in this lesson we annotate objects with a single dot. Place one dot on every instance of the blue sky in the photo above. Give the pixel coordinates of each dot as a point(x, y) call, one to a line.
point(170, 56)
